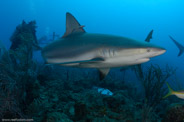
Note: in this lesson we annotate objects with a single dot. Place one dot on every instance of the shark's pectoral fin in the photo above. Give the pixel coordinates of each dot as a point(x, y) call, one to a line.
point(103, 72)
point(94, 60)
point(72, 26)
point(98, 59)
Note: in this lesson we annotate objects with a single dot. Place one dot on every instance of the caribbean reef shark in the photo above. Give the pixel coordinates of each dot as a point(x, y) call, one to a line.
point(77, 48)
point(180, 47)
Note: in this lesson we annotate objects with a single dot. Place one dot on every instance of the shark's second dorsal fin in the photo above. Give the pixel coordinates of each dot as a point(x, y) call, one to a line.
point(72, 26)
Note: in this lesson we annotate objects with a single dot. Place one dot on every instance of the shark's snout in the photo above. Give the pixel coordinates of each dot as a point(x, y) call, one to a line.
point(162, 51)
point(152, 52)
point(159, 51)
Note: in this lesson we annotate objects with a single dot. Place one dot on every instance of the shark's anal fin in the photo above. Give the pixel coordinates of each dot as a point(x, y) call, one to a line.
point(149, 36)
point(72, 26)
point(181, 47)
point(103, 72)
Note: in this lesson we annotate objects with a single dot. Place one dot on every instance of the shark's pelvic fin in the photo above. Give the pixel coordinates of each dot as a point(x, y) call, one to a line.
point(103, 72)
point(149, 36)
point(72, 26)
point(181, 47)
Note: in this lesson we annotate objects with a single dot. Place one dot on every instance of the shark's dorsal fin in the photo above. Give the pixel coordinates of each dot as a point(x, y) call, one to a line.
point(72, 26)
point(181, 47)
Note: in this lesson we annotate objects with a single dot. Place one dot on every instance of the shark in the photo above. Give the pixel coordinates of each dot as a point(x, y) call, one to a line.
point(180, 46)
point(77, 48)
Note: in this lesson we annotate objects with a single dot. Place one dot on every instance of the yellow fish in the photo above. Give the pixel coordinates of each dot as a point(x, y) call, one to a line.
point(179, 94)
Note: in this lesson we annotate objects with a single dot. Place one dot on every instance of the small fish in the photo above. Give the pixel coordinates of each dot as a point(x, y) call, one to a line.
point(179, 94)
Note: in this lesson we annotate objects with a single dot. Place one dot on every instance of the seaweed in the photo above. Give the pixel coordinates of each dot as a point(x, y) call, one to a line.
point(25, 34)
point(153, 79)
point(17, 71)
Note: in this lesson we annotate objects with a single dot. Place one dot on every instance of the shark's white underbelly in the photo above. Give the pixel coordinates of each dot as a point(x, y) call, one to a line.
point(111, 59)
point(110, 63)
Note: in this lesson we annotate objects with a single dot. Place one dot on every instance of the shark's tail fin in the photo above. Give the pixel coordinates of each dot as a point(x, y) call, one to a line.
point(149, 36)
point(171, 91)
point(2, 49)
point(181, 47)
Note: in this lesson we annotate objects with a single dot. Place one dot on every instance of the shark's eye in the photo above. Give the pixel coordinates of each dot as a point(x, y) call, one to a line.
point(148, 50)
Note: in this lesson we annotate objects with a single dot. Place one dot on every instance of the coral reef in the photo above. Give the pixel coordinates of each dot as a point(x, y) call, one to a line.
point(17, 71)
point(175, 113)
point(25, 34)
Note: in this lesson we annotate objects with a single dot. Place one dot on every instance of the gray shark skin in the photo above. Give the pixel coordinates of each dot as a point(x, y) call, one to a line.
point(86, 50)
point(180, 47)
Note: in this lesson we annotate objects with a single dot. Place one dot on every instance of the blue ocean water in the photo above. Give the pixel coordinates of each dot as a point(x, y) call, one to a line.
point(121, 17)
point(128, 18)
point(132, 19)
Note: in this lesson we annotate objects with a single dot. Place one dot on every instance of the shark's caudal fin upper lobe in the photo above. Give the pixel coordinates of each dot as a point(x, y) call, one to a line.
point(181, 47)
point(149, 36)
